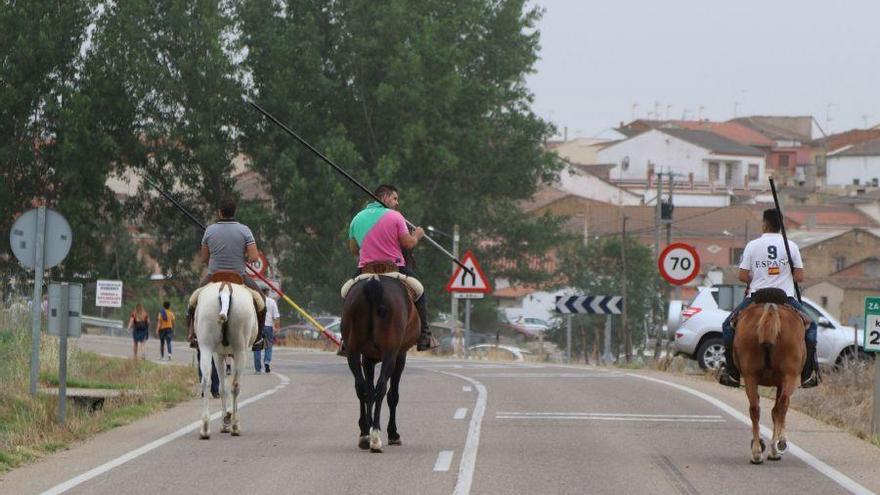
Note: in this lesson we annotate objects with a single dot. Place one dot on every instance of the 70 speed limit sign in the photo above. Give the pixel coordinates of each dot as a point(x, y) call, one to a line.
point(679, 263)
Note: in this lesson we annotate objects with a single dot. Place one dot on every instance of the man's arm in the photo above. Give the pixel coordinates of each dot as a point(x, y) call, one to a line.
point(353, 247)
point(798, 275)
point(409, 241)
point(252, 253)
point(745, 276)
point(206, 254)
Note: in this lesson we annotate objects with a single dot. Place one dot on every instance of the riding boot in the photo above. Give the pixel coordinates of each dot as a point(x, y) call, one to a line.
point(342, 350)
point(426, 340)
point(810, 374)
point(261, 320)
point(190, 327)
point(729, 375)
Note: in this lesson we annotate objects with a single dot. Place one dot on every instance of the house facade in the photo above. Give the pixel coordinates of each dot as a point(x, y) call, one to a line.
point(854, 165)
point(702, 157)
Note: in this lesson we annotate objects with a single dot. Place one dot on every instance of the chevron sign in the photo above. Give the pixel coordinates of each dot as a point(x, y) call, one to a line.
point(597, 305)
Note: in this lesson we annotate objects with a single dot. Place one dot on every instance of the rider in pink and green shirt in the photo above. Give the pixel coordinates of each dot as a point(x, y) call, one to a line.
point(378, 233)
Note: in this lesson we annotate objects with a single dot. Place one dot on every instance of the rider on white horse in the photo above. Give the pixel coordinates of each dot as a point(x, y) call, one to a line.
point(226, 246)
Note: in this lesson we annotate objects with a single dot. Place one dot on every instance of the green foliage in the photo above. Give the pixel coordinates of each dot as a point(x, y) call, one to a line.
point(597, 269)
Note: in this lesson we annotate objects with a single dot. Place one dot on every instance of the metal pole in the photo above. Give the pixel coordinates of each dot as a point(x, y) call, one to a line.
point(63, 317)
point(568, 340)
point(467, 326)
point(349, 177)
point(797, 289)
point(627, 336)
point(875, 417)
point(454, 304)
point(606, 355)
point(37, 306)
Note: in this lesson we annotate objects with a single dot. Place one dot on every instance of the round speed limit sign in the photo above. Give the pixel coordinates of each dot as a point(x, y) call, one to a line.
point(679, 263)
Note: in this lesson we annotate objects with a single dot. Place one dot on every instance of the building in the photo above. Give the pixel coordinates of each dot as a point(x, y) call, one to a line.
point(843, 293)
point(699, 156)
point(855, 165)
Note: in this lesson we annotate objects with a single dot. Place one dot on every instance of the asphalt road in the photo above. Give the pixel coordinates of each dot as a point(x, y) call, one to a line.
point(466, 428)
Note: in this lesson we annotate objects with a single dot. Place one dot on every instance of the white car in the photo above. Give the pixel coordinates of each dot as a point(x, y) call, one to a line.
point(531, 327)
point(698, 332)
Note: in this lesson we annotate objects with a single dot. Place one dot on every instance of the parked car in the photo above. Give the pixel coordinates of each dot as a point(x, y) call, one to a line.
point(698, 334)
point(307, 331)
point(529, 327)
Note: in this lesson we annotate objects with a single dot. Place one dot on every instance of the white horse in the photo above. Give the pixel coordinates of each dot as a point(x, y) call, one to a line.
point(222, 303)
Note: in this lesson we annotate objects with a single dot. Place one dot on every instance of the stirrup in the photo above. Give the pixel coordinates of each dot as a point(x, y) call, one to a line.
point(725, 379)
point(812, 381)
point(258, 344)
point(342, 352)
point(431, 343)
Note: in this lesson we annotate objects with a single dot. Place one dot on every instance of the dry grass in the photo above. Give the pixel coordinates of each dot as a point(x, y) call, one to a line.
point(844, 399)
point(28, 426)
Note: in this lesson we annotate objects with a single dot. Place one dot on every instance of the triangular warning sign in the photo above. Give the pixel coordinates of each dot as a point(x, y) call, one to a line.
point(475, 281)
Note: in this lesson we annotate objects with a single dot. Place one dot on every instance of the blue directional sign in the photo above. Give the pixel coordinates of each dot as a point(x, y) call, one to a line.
point(597, 305)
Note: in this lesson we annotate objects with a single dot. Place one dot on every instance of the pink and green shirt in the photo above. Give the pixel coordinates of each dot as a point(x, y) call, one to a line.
point(378, 230)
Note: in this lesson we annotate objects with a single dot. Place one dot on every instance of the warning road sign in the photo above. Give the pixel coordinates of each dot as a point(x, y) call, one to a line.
point(475, 282)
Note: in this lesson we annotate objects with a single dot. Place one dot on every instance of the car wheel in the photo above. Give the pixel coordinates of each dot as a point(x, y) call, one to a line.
point(851, 357)
point(710, 355)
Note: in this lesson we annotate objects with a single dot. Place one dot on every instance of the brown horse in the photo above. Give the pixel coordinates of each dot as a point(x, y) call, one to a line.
point(769, 351)
point(379, 325)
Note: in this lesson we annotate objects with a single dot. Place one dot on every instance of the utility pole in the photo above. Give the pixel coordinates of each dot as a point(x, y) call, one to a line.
point(454, 308)
point(657, 221)
point(627, 338)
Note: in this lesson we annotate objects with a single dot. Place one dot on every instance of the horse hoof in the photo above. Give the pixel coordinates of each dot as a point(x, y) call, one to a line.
point(782, 446)
point(204, 436)
point(394, 441)
point(772, 457)
point(756, 461)
point(236, 432)
point(224, 429)
point(364, 442)
point(376, 451)
point(375, 440)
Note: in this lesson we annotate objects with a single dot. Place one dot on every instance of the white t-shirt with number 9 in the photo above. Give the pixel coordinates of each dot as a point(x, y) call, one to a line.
point(766, 259)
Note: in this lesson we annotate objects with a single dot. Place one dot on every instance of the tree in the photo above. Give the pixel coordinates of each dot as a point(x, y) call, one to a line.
point(596, 269)
point(429, 96)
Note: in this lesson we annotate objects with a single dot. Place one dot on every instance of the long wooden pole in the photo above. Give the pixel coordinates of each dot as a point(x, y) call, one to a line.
point(797, 289)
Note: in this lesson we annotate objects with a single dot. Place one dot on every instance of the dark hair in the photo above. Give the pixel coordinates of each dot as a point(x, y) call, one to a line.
point(384, 190)
point(265, 290)
point(166, 305)
point(772, 220)
point(227, 207)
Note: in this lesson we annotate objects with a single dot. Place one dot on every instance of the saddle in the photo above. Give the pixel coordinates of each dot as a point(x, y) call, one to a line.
point(228, 278)
point(775, 296)
point(386, 269)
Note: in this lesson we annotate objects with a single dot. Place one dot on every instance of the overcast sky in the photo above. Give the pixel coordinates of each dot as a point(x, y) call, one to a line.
point(773, 57)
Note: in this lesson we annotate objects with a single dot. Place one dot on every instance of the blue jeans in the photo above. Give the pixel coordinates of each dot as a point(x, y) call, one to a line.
point(268, 335)
point(165, 340)
point(727, 330)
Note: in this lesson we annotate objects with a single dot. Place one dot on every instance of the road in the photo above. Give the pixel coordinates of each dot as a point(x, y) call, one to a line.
point(466, 427)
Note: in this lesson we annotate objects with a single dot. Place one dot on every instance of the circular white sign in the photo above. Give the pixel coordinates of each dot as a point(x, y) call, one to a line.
point(679, 263)
point(56, 244)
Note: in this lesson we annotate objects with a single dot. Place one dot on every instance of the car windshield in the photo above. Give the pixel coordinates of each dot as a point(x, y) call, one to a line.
point(813, 312)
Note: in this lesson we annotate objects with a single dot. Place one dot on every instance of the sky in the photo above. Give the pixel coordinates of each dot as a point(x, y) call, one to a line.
point(599, 58)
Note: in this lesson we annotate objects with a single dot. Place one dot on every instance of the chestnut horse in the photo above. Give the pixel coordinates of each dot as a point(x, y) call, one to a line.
point(379, 325)
point(769, 350)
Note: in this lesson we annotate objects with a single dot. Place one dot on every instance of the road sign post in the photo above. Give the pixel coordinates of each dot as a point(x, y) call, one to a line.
point(872, 344)
point(597, 305)
point(65, 311)
point(467, 285)
point(568, 339)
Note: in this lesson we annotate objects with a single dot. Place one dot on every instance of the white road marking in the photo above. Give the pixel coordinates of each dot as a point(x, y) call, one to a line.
point(134, 454)
point(444, 460)
point(615, 415)
point(615, 418)
point(611, 374)
point(460, 413)
point(467, 388)
point(469, 455)
point(832, 474)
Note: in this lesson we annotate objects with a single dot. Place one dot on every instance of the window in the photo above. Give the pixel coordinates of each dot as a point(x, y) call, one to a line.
point(650, 169)
point(736, 255)
point(624, 164)
point(839, 263)
point(783, 161)
point(714, 171)
point(855, 182)
point(754, 170)
point(875, 182)
point(824, 301)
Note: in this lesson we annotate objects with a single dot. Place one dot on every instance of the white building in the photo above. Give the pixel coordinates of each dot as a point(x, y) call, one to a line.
point(855, 165)
point(699, 157)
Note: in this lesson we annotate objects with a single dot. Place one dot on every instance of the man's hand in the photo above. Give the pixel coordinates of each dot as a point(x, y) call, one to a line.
point(418, 233)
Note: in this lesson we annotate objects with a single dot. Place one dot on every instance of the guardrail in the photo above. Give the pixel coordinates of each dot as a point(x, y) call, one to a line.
point(114, 328)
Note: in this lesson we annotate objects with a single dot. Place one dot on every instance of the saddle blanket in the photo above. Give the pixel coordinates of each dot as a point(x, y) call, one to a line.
point(256, 296)
point(415, 287)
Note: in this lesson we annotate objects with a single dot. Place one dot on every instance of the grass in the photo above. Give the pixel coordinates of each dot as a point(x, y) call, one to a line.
point(28, 426)
point(844, 399)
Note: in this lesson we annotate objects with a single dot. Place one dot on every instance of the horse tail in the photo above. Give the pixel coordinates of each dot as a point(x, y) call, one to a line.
point(768, 331)
point(376, 299)
point(224, 320)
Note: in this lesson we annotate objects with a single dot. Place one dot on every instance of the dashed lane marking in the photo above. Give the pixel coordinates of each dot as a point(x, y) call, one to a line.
point(460, 413)
point(444, 460)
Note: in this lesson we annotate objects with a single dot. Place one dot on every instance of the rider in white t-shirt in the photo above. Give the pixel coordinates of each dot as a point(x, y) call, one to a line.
point(765, 264)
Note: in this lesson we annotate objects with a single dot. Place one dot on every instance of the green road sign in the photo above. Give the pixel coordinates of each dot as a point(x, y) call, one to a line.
point(872, 324)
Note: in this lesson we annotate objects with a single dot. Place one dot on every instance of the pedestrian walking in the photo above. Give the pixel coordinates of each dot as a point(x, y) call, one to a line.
point(165, 330)
point(139, 326)
point(272, 325)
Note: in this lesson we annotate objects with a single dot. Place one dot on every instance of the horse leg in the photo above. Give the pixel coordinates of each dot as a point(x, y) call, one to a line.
point(757, 445)
point(775, 454)
point(220, 363)
point(238, 364)
point(361, 389)
point(394, 398)
point(388, 361)
point(205, 366)
point(788, 386)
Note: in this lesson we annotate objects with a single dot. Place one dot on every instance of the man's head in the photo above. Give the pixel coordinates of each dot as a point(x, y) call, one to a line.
point(388, 194)
point(226, 208)
point(772, 222)
point(166, 305)
point(265, 291)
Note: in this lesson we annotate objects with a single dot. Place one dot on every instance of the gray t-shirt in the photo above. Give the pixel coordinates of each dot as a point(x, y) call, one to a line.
point(227, 240)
